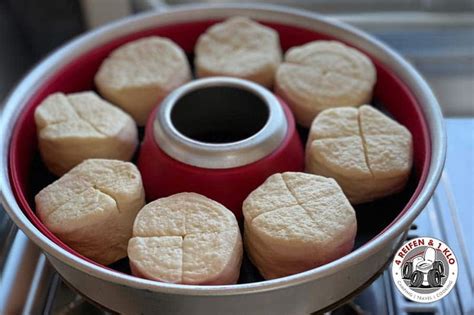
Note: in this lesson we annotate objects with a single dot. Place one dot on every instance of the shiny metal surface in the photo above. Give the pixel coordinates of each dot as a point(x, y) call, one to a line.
point(217, 111)
point(301, 293)
point(17, 274)
point(302, 298)
point(446, 217)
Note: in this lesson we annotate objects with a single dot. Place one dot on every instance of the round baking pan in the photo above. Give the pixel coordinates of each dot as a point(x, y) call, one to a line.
point(400, 91)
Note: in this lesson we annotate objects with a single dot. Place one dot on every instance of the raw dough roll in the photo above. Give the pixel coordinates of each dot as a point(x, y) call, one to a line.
point(295, 222)
point(186, 238)
point(79, 126)
point(138, 75)
point(366, 152)
point(239, 47)
point(92, 208)
point(321, 75)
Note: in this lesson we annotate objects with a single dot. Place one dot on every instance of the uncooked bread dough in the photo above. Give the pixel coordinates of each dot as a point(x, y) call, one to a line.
point(295, 222)
point(367, 153)
point(138, 75)
point(92, 208)
point(239, 47)
point(186, 238)
point(321, 75)
point(79, 126)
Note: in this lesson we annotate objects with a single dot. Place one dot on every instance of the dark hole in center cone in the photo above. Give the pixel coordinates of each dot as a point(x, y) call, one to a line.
point(219, 114)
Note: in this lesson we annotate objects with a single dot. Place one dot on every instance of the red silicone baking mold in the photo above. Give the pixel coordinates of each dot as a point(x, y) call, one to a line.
point(78, 75)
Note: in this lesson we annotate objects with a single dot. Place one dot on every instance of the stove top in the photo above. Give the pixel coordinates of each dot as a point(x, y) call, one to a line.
point(29, 285)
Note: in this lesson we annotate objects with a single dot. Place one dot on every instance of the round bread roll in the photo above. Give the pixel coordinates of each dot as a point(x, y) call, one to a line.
point(295, 222)
point(79, 126)
point(367, 153)
point(92, 208)
point(239, 47)
point(321, 75)
point(186, 238)
point(138, 75)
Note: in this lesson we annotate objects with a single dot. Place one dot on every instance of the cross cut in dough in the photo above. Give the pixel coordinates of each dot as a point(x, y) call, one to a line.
point(324, 74)
point(186, 238)
point(295, 222)
point(137, 76)
point(92, 208)
point(79, 126)
point(369, 154)
point(239, 47)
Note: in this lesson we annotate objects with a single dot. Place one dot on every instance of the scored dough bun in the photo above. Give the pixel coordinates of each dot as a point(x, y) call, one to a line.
point(186, 238)
point(321, 75)
point(239, 47)
point(369, 154)
point(295, 222)
point(92, 208)
point(137, 76)
point(78, 126)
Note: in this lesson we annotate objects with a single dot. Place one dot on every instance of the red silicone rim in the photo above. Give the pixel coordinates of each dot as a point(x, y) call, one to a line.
point(78, 75)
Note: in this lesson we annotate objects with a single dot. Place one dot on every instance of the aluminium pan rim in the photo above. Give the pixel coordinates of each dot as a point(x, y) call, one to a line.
point(422, 92)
